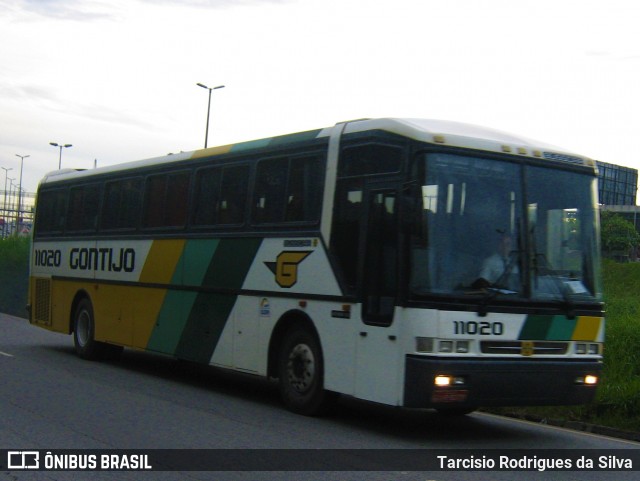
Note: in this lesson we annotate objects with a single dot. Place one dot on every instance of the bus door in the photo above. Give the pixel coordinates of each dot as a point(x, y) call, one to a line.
point(377, 345)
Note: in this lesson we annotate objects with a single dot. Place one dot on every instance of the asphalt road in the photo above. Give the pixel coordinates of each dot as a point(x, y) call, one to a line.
point(52, 400)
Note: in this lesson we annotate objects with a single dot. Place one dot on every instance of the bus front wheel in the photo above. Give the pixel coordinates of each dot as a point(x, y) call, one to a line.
point(301, 374)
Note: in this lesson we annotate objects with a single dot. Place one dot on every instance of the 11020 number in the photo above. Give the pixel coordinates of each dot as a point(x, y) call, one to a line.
point(483, 328)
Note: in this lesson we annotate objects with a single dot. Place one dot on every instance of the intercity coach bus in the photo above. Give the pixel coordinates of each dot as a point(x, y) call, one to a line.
point(414, 263)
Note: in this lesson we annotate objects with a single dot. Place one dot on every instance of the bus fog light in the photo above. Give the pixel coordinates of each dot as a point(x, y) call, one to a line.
point(442, 381)
point(446, 346)
point(424, 344)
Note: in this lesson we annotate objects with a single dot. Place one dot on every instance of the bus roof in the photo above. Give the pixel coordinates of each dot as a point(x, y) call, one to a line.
point(440, 132)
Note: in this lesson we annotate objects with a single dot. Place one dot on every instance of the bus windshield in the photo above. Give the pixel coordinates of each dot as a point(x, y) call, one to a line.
point(506, 228)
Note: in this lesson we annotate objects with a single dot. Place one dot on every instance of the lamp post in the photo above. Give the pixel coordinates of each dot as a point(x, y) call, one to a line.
point(11, 201)
point(22, 157)
point(4, 204)
point(206, 133)
point(61, 146)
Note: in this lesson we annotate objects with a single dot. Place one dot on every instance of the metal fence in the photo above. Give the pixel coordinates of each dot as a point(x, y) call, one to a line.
point(16, 212)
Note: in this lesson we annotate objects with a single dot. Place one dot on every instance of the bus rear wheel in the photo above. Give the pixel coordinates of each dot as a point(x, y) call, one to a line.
point(84, 328)
point(301, 374)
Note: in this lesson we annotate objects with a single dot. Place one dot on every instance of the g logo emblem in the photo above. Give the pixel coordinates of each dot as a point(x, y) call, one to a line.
point(527, 348)
point(286, 267)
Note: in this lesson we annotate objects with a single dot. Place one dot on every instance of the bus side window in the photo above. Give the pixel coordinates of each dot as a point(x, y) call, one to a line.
point(121, 204)
point(206, 196)
point(303, 192)
point(51, 212)
point(345, 236)
point(82, 214)
point(166, 199)
point(233, 195)
point(270, 190)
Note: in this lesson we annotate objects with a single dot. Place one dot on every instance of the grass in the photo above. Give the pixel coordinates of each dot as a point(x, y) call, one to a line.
point(619, 395)
point(618, 399)
point(14, 275)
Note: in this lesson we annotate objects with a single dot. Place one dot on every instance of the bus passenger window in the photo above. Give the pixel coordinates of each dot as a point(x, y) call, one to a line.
point(303, 194)
point(270, 191)
point(206, 196)
point(121, 204)
point(165, 199)
point(82, 214)
point(233, 195)
point(52, 210)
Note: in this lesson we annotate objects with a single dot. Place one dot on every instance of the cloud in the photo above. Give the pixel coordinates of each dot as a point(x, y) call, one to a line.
point(213, 3)
point(74, 10)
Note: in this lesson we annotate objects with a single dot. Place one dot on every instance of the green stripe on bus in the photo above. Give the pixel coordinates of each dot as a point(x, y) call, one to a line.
point(561, 328)
point(210, 311)
point(176, 308)
point(549, 328)
point(275, 141)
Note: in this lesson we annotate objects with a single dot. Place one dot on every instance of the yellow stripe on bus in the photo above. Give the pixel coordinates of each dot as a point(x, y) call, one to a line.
point(587, 328)
point(222, 149)
point(161, 261)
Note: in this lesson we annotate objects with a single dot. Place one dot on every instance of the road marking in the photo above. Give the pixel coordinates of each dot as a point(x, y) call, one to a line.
point(5, 354)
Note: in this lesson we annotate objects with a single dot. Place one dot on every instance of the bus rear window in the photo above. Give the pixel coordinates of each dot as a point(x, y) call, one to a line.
point(51, 212)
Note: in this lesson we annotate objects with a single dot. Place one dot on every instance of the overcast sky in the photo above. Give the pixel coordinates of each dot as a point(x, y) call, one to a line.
point(117, 78)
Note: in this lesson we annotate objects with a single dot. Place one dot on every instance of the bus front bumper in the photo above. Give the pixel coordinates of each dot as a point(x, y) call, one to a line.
point(474, 383)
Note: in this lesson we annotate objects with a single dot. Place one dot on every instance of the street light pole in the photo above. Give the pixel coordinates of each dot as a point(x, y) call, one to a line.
point(4, 204)
point(206, 133)
point(22, 157)
point(11, 204)
point(61, 146)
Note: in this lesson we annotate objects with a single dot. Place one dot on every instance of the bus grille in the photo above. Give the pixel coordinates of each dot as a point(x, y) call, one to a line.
point(525, 348)
point(42, 308)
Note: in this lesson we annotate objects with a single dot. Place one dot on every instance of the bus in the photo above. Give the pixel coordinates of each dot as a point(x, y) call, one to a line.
point(408, 262)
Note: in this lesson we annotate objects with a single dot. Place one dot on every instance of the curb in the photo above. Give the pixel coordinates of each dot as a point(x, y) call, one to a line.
point(580, 426)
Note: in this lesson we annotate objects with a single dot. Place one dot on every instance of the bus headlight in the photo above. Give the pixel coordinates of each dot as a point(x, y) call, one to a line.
point(587, 380)
point(591, 380)
point(444, 380)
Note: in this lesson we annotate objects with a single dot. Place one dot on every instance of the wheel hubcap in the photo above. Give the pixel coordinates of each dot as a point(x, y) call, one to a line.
point(82, 328)
point(301, 368)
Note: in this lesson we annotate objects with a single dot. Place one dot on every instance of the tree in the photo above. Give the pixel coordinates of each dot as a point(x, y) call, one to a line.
point(618, 235)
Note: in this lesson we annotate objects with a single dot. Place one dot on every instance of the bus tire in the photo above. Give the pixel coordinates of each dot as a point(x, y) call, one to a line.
point(301, 374)
point(84, 328)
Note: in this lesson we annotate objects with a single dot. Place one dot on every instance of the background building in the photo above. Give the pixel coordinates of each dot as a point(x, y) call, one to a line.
point(617, 185)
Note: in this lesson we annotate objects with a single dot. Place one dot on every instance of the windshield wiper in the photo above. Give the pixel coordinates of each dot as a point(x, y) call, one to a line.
point(556, 279)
